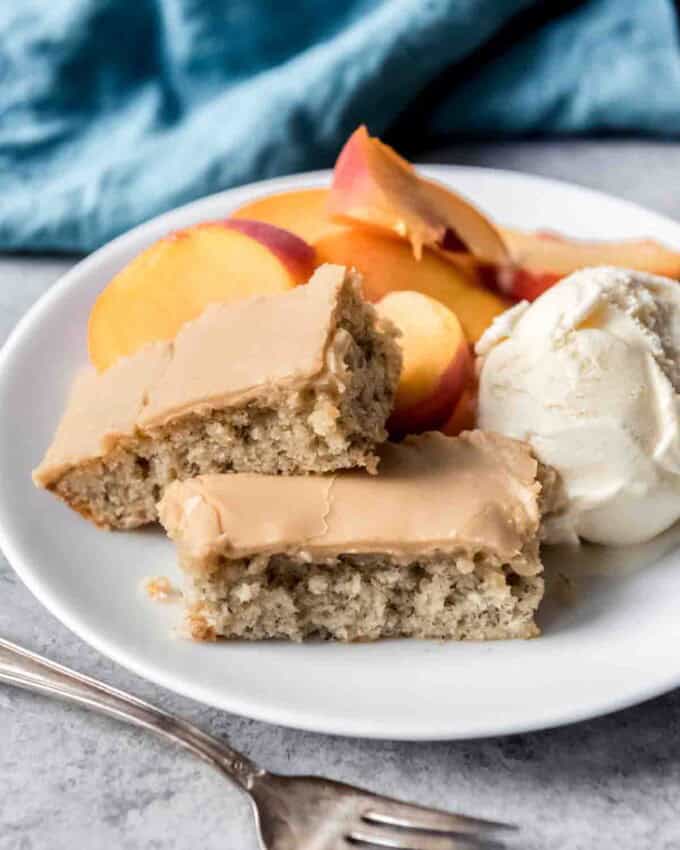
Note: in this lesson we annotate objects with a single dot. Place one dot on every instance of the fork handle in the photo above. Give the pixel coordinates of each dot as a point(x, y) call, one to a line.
point(27, 670)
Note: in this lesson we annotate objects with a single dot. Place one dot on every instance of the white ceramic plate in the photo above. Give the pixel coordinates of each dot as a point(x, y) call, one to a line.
point(615, 645)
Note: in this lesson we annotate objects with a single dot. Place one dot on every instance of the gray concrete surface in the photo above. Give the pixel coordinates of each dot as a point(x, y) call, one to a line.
point(70, 780)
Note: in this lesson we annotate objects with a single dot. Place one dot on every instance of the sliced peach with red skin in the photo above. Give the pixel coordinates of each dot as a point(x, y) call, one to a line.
point(464, 416)
point(303, 212)
point(374, 186)
point(524, 284)
point(175, 279)
point(388, 265)
point(437, 363)
point(541, 258)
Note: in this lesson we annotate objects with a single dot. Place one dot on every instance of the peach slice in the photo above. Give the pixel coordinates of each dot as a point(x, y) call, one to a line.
point(464, 416)
point(437, 361)
point(373, 185)
point(303, 212)
point(174, 280)
point(388, 265)
point(541, 258)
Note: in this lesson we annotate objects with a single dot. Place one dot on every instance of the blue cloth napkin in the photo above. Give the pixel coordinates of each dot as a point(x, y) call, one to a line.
point(112, 111)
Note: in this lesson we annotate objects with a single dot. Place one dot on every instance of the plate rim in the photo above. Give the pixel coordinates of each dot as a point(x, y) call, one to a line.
point(281, 714)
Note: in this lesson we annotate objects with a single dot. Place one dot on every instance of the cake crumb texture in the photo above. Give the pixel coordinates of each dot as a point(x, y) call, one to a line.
point(443, 543)
point(354, 598)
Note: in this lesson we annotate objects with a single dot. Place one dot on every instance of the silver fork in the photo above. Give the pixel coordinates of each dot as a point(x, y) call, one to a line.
point(291, 812)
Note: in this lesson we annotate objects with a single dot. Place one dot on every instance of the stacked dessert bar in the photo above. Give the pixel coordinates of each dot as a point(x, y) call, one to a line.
point(258, 438)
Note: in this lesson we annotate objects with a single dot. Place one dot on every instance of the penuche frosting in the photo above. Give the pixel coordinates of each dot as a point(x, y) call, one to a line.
point(235, 349)
point(474, 493)
point(101, 410)
point(232, 352)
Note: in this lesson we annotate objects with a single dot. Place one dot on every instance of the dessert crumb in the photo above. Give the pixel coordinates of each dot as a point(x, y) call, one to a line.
point(161, 589)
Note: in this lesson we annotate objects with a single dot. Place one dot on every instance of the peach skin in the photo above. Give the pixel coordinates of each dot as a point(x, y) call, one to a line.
point(541, 258)
point(464, 416)
point(374, 186)
point(437, 362)
point(175, 279)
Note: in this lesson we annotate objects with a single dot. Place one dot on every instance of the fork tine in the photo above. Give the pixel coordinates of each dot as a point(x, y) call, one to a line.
point(406, 839)
point(390, 812)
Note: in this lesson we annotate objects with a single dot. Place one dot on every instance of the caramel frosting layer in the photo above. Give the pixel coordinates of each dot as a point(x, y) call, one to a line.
point(102, 409)
point(233, 350)
point(231, 353)
point(474, 493)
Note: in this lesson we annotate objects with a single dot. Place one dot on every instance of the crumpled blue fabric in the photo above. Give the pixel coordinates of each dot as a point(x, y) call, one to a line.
point(112, 111)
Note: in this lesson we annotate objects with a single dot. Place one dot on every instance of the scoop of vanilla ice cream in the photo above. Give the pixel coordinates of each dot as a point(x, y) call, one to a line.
point(589, 375)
